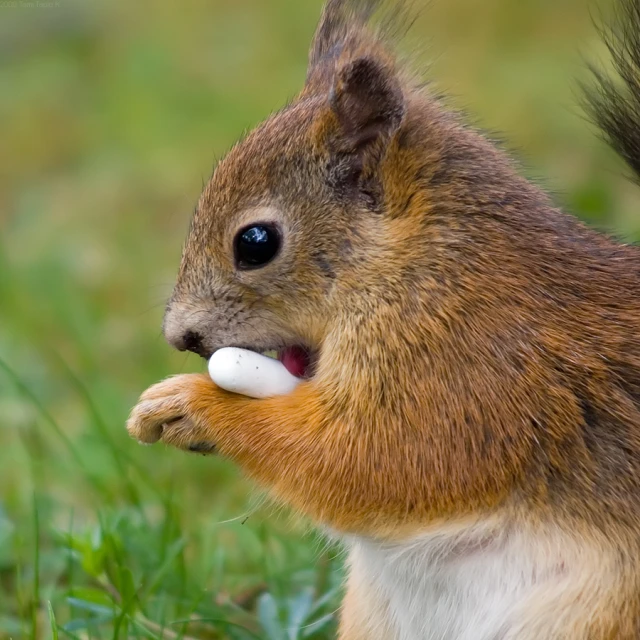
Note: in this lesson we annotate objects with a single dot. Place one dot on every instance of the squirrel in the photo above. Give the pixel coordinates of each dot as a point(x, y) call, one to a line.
point(468, 419)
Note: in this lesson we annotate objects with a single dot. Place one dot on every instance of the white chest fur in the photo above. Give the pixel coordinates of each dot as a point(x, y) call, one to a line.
point(470, 583)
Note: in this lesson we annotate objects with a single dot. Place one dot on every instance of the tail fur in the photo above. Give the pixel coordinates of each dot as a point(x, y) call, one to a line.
point(614, 102)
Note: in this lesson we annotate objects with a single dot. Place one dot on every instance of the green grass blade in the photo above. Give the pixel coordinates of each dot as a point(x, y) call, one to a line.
point(52, 621)
point(36, 572)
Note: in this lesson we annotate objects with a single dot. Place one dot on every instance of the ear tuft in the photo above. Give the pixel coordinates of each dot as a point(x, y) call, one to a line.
point(368, 102)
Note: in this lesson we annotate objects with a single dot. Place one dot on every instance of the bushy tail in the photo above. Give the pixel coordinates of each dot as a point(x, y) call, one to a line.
point(614, 102)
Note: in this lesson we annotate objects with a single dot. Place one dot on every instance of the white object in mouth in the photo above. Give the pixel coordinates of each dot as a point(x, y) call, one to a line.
point(250, 374)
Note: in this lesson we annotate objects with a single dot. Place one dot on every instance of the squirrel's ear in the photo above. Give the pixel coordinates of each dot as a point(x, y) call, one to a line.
point(368, 107)
point(368, 102)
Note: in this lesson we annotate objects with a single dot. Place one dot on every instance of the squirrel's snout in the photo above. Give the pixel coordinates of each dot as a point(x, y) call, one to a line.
point(189, 341)
point(184, 338)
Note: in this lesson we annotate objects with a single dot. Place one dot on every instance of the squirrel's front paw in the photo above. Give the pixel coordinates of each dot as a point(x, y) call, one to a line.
point(174, 411)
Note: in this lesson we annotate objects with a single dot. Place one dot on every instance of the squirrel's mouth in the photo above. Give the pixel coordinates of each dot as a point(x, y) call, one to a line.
point(297, 360)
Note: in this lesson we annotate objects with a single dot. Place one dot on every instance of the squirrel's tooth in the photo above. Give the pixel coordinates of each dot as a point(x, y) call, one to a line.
point(272, 353)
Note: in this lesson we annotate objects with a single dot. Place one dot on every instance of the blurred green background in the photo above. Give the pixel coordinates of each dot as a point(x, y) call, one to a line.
point(112, 115)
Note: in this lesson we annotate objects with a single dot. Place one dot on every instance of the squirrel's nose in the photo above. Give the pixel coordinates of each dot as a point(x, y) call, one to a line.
point(182, 335)
point(190, 341)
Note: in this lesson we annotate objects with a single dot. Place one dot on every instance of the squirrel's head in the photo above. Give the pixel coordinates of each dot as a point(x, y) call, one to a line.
point(338, 203)
point(293, 206)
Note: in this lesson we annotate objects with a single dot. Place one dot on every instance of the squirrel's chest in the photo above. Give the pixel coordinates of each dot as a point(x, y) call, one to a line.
point(447, 586)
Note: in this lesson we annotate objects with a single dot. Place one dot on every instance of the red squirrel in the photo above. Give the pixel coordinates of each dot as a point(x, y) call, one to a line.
point(468, 416)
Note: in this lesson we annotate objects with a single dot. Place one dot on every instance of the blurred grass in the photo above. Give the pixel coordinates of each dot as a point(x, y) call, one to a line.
point(111, 117)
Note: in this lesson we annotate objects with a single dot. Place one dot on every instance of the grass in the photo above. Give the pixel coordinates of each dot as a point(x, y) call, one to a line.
point(111, 116)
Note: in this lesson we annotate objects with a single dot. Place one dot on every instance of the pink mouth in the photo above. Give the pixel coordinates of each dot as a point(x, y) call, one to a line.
point(296, 361)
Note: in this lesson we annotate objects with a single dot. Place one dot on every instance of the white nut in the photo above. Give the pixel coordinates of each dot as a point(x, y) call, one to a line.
point(250, 374)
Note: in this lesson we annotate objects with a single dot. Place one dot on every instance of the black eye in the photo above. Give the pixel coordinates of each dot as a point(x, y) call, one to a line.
point(257, 245)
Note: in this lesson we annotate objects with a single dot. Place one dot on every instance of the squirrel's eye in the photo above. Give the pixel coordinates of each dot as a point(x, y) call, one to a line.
point(257, 245)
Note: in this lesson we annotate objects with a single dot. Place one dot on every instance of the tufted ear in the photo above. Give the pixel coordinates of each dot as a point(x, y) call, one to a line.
point(368, 107)
point(368, 102)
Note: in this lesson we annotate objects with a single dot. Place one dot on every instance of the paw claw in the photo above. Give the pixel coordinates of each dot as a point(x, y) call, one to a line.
point(202, 447)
